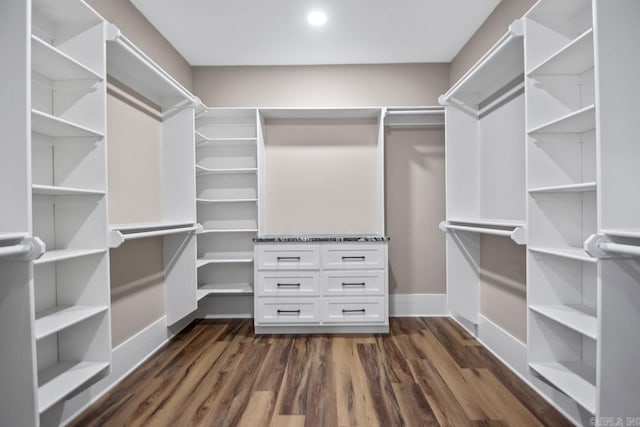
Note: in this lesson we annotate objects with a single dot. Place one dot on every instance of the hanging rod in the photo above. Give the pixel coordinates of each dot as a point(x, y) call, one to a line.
point(117, 238)
point(29, 249)
point(517, 234)
point(599, 246)
point(415, 112)
point(114, 35)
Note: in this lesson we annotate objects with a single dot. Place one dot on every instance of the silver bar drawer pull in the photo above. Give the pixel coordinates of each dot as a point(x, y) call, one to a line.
point(362, 310)
point(353, 258)
point(288, 258)
point(288, 312)
point(354, 284)
point(296, 285)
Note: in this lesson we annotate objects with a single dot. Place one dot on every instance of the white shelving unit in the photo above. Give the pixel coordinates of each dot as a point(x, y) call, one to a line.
point(485, 163)
point(227, 197)
point(131, 67)
point(54, 157)
point(579, 316)
point(18, 394)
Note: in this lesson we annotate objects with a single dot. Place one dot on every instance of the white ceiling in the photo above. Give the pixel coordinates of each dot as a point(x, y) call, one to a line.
point(276, 32)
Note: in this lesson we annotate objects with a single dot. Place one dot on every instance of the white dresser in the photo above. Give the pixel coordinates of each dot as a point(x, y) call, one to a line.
point(321, 285)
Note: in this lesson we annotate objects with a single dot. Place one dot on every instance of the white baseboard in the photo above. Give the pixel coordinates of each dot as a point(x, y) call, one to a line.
point(513, 353)
point(125, 359)
point(418, 305)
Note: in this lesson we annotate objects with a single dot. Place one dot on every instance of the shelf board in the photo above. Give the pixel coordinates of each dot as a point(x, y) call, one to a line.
point(225, 115)
point(583, 187)
point(503, 63)
point(576, 317)
point(57, 65)
point(153, 225)
point(489, 222)
point(576, 122)
point(65, 254)
point(575, 379)
point(54, 190)
point(224, 289)
point(574, 58)
point(4, 236)
point(132, 67)
point(57, 382)
point(225, 200)
point(49, 125)
point(633, 233)
point(320, 113)
point(229, 230)
point(233, 258)
point(577, 254)
point(58, 318)
point(201, 170)
point(203, 140)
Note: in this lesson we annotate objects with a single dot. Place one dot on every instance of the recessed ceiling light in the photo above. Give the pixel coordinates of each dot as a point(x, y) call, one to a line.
point(317, 18)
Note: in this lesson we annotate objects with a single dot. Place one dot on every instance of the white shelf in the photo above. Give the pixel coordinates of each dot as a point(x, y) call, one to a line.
point(46, 124)
point(633, 233)
point(577, 254)
point(132, 67)
point(576, 317)
point(224, 289)
point(225, 200)
point(320, 113)
point(149, 225)
point(59, 381)
point(489, 222)
point(52, 190)
point(58, 318)
point(574, 379)
point(233, 258)
point(12, 236)
point(65, 254)
point(201, 170)
point(576, 122)
point(575, 58)
point(203, 140)
point(502, 64)
point(238, 116)
point(57, 65)
point(569, 188)
point(229, 230)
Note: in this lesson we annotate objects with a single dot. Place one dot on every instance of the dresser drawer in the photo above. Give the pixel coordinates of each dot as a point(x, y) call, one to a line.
point(358, 256)
point(360, 310)
point(288, 257)
point(288, 283)
point(337, 283)
point(287, 310)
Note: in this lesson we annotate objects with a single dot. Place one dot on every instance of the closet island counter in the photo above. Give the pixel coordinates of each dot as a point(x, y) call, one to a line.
point(321, 283)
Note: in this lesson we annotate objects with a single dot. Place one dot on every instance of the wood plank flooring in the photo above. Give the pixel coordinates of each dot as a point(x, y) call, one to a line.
point(426, 372)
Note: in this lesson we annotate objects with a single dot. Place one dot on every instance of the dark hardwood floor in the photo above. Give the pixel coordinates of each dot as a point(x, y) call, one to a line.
point(425, 372)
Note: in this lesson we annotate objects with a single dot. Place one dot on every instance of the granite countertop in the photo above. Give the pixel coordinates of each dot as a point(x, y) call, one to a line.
point(291, 238)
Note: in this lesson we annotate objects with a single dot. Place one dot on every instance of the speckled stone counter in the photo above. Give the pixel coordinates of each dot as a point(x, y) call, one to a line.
point(303, 238)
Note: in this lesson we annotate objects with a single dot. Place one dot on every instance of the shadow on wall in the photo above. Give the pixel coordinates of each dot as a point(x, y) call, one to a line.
point(503, 284)
point(137, 287)
point(415, 205)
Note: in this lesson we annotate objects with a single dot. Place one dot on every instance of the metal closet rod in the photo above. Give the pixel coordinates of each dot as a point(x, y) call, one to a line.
point(619, 248)
point(517, 234)
point(29, 249)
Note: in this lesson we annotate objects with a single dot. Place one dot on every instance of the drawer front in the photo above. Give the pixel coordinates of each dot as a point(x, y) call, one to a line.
point(288, 283)
point(288, 310)
point(341, 310)
point(345, 257)
point(337, 283)
point(288, 257)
